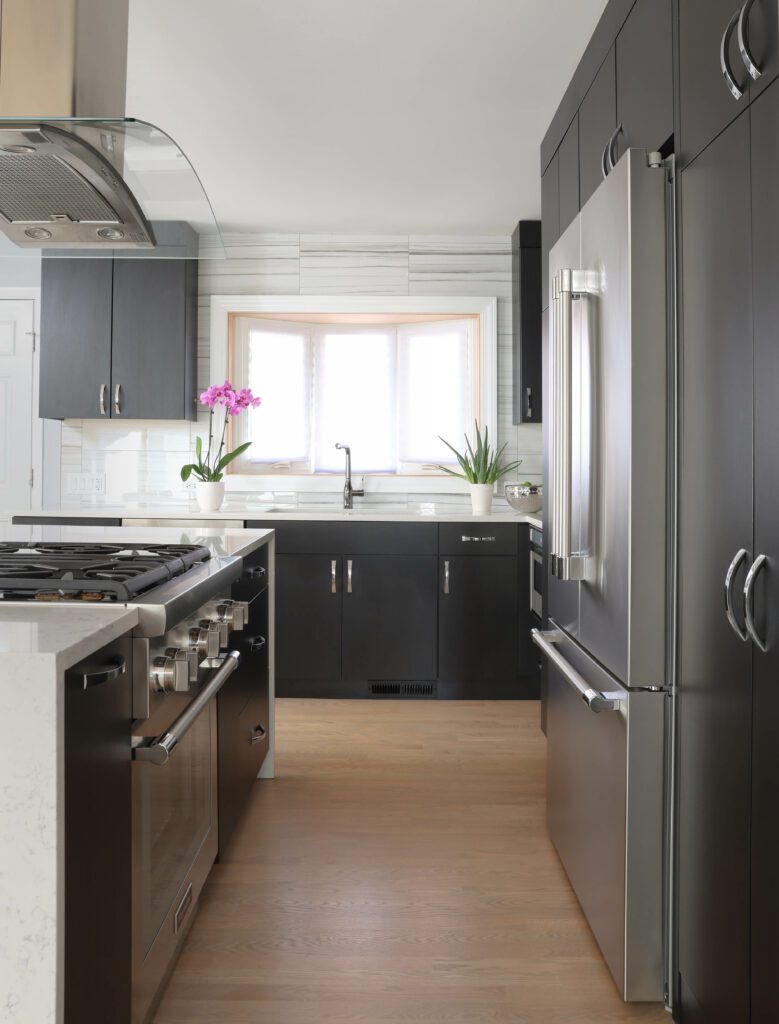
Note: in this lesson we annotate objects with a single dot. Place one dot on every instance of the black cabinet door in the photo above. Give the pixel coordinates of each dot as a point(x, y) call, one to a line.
point(478, 618)
point(308, 618)
point(75, 338)
point(762, 38)
point(715, 681)
point(706, 106)
point(597, 121)
point(550, 221)
point(765, 758)
point(153, 364)
point(568, 156)
point(526, 322)
point(389, 617)
point(645, 77)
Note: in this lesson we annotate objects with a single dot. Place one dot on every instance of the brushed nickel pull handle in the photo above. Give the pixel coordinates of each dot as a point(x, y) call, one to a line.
point(117, 400)
point(104, 675)
point(604, 167)
point(333, 577)
point(739, 557)
point(446, 577)
point(749, 601)
point(743, 46)
point(101, 399)
point(349, 576)
point(612, 144)
point(727, 73)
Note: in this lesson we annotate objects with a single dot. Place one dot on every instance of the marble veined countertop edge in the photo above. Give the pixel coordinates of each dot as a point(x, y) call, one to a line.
point(62, 634)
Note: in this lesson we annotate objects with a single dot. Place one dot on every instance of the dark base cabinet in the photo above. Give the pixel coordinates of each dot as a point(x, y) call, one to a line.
point(362, 610)
point(98, 713)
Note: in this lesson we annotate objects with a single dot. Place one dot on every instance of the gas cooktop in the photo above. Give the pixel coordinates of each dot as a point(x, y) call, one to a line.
point(42, 571)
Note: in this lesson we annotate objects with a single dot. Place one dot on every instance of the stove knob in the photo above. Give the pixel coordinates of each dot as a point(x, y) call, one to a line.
point(191, 658)
point(169, 675)
point(234, 613)
point(205, 639)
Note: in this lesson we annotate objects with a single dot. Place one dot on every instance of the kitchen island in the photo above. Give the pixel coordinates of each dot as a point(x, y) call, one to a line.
point(39, 643)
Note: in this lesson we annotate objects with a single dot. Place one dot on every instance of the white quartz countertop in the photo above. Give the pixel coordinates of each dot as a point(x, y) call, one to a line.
point(62, 634)
point(411, 512)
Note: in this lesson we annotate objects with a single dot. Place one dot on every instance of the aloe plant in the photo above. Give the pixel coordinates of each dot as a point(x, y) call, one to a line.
point(482, 466)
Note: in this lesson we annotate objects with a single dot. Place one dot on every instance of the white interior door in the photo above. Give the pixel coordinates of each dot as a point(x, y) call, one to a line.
point(16, 398)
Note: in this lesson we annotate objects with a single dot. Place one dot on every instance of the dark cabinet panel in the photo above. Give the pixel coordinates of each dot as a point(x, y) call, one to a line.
point(477, 621)
point(569, 175)
point(526, 321)
point(597, 121)
point(765, 762)
point(715, 665)
point(308, 618)
point(153, 364)
point(706, 106)
point(550, 220)
point(75, 365)
point(645, 77)
point(97, 838)
point(389, 617)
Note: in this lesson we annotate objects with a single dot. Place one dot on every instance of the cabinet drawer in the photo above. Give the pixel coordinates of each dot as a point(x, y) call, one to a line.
point(478, 539)
point(318, 538)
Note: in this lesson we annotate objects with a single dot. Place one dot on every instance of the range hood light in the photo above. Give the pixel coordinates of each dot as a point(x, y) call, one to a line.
point(112, 234)
point(39, 234)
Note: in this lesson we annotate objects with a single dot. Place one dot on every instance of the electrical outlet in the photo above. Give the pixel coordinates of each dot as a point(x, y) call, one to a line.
point(85, 483)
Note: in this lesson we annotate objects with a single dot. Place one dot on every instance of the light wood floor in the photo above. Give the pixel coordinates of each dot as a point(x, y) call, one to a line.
point(397, 871)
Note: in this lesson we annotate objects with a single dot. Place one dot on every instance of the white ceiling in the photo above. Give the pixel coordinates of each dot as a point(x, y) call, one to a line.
point(389, 116)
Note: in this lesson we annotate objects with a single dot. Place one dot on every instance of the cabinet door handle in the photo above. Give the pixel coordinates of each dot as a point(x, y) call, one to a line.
point(104, 675)
point(603, 158)
point(529, 395)
point(118, 400)
point(727, 73)
point(730, 576)
point(749, 600)
point(611, 153)
point(333, 578)
point(349, 576)
point(743, 46)
point(101, 399)
point(257, 643)
point(446, 577)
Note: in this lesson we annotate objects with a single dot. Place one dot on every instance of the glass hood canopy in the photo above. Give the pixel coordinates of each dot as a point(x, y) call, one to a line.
point(84, 187)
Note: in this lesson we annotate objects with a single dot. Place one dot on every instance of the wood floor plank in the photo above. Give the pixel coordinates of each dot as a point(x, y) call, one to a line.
point(397, 871)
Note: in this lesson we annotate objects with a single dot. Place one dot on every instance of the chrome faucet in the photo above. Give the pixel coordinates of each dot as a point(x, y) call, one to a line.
point(349, 492)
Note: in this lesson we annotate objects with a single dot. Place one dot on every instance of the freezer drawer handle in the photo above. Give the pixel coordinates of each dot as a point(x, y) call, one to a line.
point(159, 750)
point(739, 557)
point(749, 601)
point(594, 699)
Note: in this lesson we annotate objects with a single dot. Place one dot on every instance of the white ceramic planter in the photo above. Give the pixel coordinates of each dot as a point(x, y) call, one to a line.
point(210, 494)
point(481, 498)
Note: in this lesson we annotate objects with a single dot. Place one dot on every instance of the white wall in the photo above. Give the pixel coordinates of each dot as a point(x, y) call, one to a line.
point(141, 459)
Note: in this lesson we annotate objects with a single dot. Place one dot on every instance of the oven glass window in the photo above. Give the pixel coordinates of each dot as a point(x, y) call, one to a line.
point(538, 576)
point(175, 818)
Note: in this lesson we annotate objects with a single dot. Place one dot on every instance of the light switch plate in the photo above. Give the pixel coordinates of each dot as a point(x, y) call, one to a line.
point(85, 483)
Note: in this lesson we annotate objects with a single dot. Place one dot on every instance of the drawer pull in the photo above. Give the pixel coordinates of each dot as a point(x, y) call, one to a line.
point(446, 577)
point(257, 734)
point(257, 643)
point(181, 910)
point(478, 540)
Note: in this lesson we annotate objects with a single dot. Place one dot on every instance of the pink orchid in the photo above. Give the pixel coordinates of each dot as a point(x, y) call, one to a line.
point(234, 400)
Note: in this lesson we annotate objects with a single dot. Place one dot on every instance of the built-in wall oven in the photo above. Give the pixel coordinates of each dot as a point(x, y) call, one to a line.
point(536, 573)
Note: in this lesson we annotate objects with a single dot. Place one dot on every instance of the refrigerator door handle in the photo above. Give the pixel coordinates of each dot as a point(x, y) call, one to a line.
point(739, 557)
point(594, 699)
point(749, 601)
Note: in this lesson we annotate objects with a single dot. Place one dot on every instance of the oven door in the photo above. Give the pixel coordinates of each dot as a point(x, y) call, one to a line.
point(174, 829)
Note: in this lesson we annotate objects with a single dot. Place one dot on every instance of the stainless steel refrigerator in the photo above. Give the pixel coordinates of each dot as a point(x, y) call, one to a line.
point(606, 451)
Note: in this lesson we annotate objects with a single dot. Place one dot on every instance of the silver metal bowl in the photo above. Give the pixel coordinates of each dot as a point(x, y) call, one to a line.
point(527, 498)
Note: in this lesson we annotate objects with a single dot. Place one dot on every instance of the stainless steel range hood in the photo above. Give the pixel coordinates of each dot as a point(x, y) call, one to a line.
point(77, 175)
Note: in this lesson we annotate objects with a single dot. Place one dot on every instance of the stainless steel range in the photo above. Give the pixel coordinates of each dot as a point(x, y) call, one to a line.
point(202, 619)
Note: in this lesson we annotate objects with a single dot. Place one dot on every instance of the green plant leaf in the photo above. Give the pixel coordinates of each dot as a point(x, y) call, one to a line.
point(228, 458)
point(186, 471)
point(451, 472)
point(199, 448)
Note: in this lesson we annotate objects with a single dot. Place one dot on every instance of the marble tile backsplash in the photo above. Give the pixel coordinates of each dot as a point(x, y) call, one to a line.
point(140, 460)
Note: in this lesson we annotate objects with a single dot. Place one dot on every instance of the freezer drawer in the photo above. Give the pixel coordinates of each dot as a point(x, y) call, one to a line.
point(605, 809)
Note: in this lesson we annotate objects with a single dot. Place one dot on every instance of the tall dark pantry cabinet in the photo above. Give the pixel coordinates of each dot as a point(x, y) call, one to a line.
point(728, 767)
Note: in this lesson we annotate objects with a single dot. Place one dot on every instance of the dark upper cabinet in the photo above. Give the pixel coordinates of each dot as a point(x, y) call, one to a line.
point(526, 321)
point(597, 122)
point(568, 156)
point(153, 352)
point(389, 617)
point(765, 737)
point(550, 221)
point(118, 338)
point(706, 106)
point(645, 77)
point(479, 597)
point(308, 618)
point(75, 355)
point(715, 683)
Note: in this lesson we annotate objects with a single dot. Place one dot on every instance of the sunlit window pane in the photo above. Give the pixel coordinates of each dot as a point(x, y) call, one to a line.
point(355, 399)
point(279, 367)
point(434, 392)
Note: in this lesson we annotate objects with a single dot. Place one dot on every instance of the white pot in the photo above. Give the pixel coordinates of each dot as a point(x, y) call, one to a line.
point(481, 498)
point(210, 494)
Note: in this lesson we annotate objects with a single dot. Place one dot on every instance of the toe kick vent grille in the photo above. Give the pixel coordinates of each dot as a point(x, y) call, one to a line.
point(392, 688)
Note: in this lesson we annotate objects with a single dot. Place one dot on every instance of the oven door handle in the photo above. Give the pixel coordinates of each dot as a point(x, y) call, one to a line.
point(159, 750)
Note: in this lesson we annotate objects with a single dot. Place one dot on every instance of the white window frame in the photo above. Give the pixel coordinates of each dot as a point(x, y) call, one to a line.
point(484, 307)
